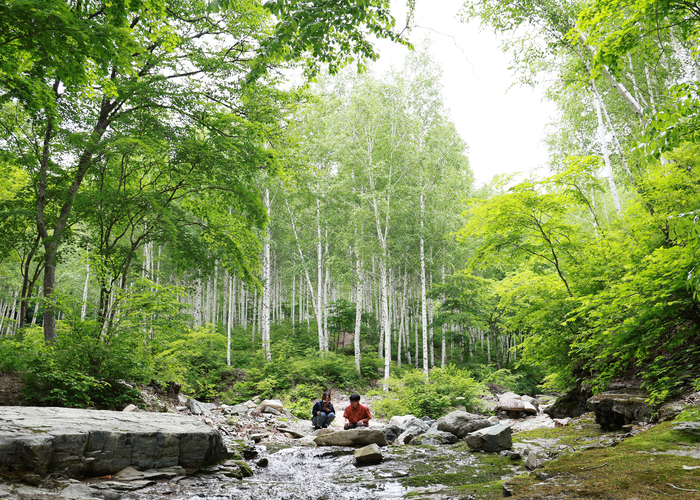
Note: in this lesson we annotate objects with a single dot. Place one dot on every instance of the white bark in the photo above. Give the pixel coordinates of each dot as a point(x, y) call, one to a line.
point(358, 312)
point(423, 299)
point(620, 88)
point(315, 297)
point(603, 141)
point(267, 284)
point(87, 281)
point(229, 322)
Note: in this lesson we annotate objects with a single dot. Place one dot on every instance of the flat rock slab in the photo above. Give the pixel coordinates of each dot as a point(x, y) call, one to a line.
point(95, 443)
point(352, 437)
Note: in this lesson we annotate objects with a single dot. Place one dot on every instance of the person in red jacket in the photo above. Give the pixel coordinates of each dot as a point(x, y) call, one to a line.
point(356, 415)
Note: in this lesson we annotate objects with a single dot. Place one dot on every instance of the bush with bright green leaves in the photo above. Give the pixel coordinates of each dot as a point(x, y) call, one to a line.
point(412, 393)
point(301, 399)
point(520, 382)
point(76, 371)
point(282, 374)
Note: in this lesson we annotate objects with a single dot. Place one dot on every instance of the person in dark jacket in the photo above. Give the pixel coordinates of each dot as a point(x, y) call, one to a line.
point(323, 412)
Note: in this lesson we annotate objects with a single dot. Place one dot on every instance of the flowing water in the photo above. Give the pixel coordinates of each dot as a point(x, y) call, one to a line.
point(321, 473)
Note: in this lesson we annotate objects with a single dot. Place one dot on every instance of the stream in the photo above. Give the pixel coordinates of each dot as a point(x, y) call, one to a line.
point(302, 473)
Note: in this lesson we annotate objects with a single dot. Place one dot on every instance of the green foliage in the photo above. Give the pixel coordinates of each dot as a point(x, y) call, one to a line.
point(73, 372)
point(519, 382)
point(301, 399)
point(411, 393)
point(291, 374)
point(196, 360)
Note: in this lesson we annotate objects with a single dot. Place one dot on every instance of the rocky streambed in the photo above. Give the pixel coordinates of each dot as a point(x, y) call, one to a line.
point(277, 456)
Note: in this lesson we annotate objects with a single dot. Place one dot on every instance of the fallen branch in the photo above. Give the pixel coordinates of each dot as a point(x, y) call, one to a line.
point(596, 467)
point(681, 489)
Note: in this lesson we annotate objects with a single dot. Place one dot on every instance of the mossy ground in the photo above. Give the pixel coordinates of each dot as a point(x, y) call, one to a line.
point(634, 468)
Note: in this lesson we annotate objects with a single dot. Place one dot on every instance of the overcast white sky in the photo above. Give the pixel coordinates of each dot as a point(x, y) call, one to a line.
point(503, 127)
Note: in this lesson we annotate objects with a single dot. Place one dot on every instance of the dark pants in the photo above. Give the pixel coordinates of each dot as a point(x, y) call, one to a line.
point(352, 426)
point(322, 420)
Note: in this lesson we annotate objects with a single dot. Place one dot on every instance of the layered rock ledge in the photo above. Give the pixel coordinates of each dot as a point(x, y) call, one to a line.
point(78, 443)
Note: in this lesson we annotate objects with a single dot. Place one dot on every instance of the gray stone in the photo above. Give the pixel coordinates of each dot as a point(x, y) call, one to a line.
point(259, 436)
point(572, 404)
point(272, 411)
point(670, 410)
point(435, 437)
point(494, 438)
point(240, 410)
point(370, 454)
point(461, 423)
point(352, 437)
point(307, 441)
point(274, 404)
point(416, 423)
point(197, 407)
point(111, 495)
point(94, 443)
point(407, 436)
point(80, 492)
point(391, 432)
point(131, 408)
point(615, 408)
point(531, 461)
point(399, 420)
point(687, 427)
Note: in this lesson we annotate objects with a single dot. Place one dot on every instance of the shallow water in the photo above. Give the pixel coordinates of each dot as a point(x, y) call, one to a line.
point(297, 473)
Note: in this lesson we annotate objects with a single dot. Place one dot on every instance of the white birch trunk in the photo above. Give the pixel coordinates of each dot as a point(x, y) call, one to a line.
point(231, 302)
point(265, 314)
point(83, 311)
point(358, 312)
point(603, 141)
point(423, 299)
point(315, 297)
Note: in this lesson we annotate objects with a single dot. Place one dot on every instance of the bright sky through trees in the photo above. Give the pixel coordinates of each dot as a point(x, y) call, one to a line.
point(502, 125)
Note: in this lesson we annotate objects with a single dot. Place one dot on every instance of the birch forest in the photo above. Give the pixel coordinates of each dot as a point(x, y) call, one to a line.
point(175, 210)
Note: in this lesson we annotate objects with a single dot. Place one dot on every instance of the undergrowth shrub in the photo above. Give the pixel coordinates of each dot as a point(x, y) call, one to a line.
point(412, 393)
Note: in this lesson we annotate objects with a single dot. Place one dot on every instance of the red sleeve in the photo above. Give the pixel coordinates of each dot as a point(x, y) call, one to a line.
point(366, 413)
point(346, 413)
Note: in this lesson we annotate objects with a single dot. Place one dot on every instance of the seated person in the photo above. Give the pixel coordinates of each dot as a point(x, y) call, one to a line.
point(323, 412)
point(356, 415)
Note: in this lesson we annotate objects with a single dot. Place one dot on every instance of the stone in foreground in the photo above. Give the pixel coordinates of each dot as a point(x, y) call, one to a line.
point(495, 438)
point(461, 423)
point(370, 454)
point(94, 443)
point(352, 437)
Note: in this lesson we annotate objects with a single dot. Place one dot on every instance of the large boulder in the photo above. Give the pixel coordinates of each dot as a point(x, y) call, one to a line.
point(461, 423)
point(494, 438)
point(511, 402)
point(416, 424)
point(407, 436)
point(391, 432)
point(572, 404)
point(352, 437)
point(370, 454)
point(271, 404)
point(94, 443)
point(435, 437)
point(619, 407)
point(400, 420)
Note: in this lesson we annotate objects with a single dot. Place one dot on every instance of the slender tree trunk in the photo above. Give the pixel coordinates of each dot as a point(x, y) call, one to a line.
point(267, 284)
point(603, 141)
point(423, 299)
point(229, 325)
point(358, 312)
